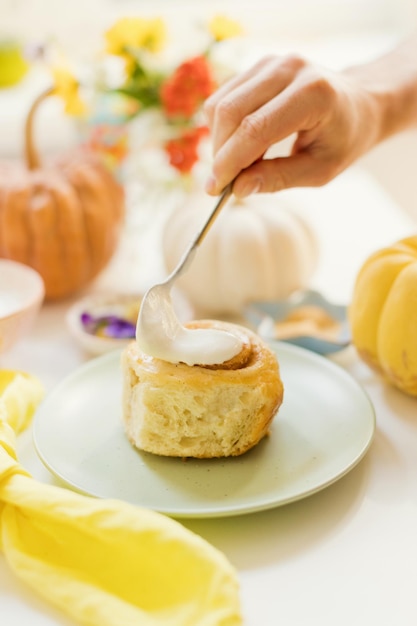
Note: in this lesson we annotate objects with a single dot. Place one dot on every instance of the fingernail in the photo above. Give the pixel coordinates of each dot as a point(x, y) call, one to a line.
point(211, 185)
point(251, 186)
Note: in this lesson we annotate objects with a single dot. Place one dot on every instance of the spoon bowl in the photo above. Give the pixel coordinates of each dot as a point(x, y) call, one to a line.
point(156, 303)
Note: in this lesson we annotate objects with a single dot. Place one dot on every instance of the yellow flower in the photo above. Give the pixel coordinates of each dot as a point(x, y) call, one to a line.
point(221, 27)
point(135, 32)
point(66, 86)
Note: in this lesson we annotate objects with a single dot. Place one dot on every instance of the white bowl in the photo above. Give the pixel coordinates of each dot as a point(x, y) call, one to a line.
point(21, 294)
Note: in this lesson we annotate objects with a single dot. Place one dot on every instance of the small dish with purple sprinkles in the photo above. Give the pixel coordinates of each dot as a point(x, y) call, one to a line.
point(101, 323)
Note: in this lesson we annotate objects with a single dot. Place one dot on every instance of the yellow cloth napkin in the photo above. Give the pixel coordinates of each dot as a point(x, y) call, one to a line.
point(103, 562)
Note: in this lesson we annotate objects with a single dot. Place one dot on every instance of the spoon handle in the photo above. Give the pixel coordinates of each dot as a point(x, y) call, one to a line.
point(225, 195)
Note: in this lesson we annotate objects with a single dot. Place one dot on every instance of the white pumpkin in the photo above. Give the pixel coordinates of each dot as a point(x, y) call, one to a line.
point(259, 248)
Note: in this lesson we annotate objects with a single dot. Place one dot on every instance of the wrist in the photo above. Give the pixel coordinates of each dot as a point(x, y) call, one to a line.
point(390, 85)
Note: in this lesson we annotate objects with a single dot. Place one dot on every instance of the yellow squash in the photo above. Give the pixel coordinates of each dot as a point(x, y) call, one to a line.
point(383, 313)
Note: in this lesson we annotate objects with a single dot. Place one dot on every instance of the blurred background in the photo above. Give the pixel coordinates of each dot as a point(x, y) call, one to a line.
point(335, 33)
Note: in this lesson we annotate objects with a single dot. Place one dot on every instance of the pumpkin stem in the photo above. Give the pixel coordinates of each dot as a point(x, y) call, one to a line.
point(31, 154)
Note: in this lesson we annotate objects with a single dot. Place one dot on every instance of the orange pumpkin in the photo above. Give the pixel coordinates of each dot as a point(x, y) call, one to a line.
point(62, 219)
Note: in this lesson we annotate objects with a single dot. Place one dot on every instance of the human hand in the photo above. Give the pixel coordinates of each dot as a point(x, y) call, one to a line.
point(334, 116)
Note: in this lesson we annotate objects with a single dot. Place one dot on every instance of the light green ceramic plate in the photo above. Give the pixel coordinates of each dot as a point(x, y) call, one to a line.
point(323, 429)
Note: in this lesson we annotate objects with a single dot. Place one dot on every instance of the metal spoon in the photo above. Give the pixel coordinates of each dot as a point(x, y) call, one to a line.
point(188, 255)
point(156, 307)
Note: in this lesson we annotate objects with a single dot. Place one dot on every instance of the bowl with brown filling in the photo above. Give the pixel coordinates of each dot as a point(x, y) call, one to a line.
point(306, 319)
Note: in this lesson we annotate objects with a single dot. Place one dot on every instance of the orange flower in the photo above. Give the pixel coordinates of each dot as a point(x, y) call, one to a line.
point(191, 83)
point(183, 150)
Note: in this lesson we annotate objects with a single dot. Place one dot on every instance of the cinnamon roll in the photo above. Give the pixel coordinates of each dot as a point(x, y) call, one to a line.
point(202, 411)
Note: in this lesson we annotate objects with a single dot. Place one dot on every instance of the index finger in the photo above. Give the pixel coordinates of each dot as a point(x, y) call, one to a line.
point(227, 107)
point(284, 115)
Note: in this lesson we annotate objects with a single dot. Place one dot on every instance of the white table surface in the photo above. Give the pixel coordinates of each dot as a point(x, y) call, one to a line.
point(347, 555)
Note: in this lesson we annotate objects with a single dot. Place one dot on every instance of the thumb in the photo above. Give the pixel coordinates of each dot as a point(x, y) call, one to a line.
point(269, 175)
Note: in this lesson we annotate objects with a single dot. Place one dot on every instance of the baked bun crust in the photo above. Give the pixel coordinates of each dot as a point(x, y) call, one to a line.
point(201, 411)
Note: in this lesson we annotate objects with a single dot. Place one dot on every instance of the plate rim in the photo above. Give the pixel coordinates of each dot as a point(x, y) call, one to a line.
point(223, 510)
